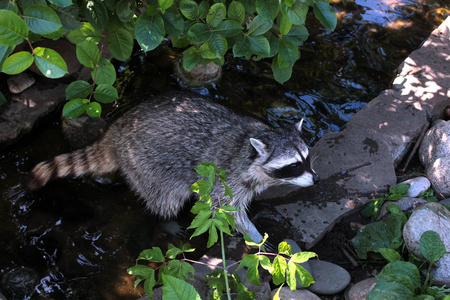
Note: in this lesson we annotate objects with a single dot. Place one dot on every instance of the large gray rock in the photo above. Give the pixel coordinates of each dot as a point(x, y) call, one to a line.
point(436, 143)
point(361, 290)
point(330, 278)
point(435, 217)
point(438, 172)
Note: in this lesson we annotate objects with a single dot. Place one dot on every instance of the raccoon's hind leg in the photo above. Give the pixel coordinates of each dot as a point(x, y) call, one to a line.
point(93, 159)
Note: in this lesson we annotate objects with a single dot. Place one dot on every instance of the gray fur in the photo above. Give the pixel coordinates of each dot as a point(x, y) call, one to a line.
point(157, 144)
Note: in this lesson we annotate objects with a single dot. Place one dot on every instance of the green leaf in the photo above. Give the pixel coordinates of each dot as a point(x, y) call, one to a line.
point(192, 58)
point(125, 10)
point(144, 273)
point(325, 14)
point(251, 261)
point(75, 108)
point(84, 33)
point(68, 16)
point(389, 254)
point(120, 44)
point(284, 248)
point(189, 9)
point(105, 72)
point(242, 47)
point(173, 21)
point(296, 272)
point(49, 62)
point(94, 109)
point(228, 28)
point(17, 63)
point(9, 5)
point(259, 26)
point(297, 35)
point(402, 272)
point(164, 4)
point(203, 228)
point(61, 3)
point(236, 12)
point(389, 290)
point(431, 246)
point(175, 288)
point(296, 14)
point(268, 9)
point(213, 236)
point(105, 93)
point(201, 217)
point(149, 30)
point(203, 9)
point(41, 19)
point(96, 13)
point(218, 44)
point(285, 25)
point(199, 33)
point(88, 54)
point(401, 189)
point(2, 99)
point(288, 51)
point(259, 45)
point(78, 89)
point(13, 29)
point(282, 71)
point(279, 270)
point(155, 255)
point(302, 257)
point(216, 14)
point(5, 51)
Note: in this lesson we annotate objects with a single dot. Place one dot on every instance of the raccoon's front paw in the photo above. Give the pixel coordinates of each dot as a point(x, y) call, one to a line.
point(175, 230)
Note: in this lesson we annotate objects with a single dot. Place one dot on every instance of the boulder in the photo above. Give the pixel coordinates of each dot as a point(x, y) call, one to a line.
point(436, 143)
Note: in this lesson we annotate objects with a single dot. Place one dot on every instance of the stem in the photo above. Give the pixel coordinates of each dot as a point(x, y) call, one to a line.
point(225, 272)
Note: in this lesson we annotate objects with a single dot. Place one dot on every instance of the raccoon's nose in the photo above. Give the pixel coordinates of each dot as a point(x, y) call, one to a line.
point(316, 178)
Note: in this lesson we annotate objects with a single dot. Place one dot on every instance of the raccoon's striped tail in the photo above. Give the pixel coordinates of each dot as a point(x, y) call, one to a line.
point(90, 160)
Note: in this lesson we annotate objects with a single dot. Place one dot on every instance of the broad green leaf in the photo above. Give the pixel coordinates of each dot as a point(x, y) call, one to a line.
point(302, 257)
point(284, 248)
point(203, 228)
point(228, 28)
point(88, 54)
point(218, 44)
point(149, 30)
point(285, 25)
point(125, 10)
point(84, 33)
point(192, 58)
point(236, 12)
point(9, 5)
point(144, 273)
point(78, 89)
point(251, 261)
point(120, 44)
point(49, 62)
point(164, 4)
point(296, 14)
point(105, 72)
point(68, 16)
point(274, 43)
point(304, 277)
point(216, 14)
point(5, 51)
point(200, 206)
point(298, 34)
point(389, 254)
point(203, 9)
point(213, 236)
point(201, 217)
point(175, 288)
point(389, 290)
point(402, 272)
point(401, 189)
point(105, 93)
point(96, 13)
point(61, 3)
point(250, 6)
point(431, 246)
point(279, 270)
point(199, 33)
point(282, 71)
point(259, 26)
point(75, 108)
point(173, 21)
point(242, 47)
point(41, 19)
point(189, 9)
point(13, 29)
point(268, 9)
point(94, 109)
point(155, 254)
point(173, 252)
point(288, 51)
point(325, 14)
point(259, 45)
point(17, 63)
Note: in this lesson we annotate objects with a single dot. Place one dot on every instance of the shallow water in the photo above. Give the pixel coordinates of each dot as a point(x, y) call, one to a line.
point(80, 235)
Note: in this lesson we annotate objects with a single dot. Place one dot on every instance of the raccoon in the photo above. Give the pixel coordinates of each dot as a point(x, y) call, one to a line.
point(157, 144)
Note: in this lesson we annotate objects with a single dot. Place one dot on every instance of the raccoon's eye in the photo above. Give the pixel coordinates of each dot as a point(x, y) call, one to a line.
point(294, 165)
point(289, 171)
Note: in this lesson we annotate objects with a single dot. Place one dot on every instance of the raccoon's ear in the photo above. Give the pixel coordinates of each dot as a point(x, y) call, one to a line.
point(298, 126)
point(259, 146)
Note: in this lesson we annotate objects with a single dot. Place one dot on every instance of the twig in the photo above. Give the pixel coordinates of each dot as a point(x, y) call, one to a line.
point(349, 257)
point(414, 149)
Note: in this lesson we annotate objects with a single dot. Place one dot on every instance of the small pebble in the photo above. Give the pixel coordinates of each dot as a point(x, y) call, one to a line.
point(330, 278)
point(361, 290)
point(417, 185)
point(287, 294)
point(20, 82)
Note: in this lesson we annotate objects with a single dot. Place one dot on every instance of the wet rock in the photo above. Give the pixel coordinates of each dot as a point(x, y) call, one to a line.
point(330, 278)
point(20, 283)
point(417, 185)
point(200, 75)
point(436, 143)
point(20, 82)
point(439, 173)
point(83, 130)
point(82, 289)
point(406, 204)
point(435, 217)
point(287, 294)
point(361, 290)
